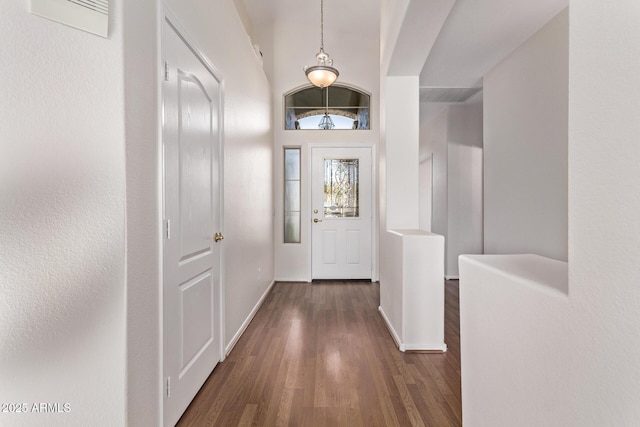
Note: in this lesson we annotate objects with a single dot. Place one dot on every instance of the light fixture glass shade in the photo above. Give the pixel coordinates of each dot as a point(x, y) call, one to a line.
point(326, 122)
point(321, 75)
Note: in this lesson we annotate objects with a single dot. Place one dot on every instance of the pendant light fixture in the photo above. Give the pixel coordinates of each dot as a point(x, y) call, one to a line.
point(326, 122)
point(322, 74)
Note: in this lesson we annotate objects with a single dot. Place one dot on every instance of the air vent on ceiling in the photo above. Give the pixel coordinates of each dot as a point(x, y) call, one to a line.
point(88, 15)
point(447, 94)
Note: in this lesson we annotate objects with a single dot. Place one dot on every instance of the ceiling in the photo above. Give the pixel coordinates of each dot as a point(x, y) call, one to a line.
point(448, 43)
point(478, 34)
point(346, 17)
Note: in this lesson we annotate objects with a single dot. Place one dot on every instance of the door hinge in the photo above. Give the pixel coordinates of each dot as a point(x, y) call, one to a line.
point(168, 386)
point(168, 228)
point(166, 71)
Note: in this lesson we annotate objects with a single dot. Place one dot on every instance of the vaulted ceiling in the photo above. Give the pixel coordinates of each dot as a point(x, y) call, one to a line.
point(478, 34)
point(448, 43)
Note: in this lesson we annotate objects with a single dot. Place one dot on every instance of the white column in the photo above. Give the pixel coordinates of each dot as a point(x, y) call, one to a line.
point(402, 99)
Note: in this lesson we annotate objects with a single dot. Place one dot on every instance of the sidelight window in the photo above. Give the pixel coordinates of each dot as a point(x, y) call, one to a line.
point(292, 195)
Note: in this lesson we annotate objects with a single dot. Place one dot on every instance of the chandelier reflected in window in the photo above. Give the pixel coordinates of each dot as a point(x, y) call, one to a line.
point(325, 121)
point(347, 107)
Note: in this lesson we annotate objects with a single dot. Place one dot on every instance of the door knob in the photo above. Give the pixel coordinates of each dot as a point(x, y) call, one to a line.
point(317, 220)
point(218, 237)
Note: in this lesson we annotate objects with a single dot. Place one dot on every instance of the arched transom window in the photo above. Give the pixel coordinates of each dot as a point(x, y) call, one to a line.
point(312, 107)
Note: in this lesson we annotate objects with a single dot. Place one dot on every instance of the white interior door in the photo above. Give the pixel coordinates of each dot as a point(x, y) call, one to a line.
point(341, 206)
point(191, 254)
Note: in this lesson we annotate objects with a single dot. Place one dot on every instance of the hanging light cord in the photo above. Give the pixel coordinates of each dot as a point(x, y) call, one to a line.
point(323, 73)
point(327, 98)
point(322, 25)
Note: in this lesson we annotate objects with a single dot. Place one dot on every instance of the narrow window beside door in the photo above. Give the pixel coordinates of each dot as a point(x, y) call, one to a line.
point(292, 195)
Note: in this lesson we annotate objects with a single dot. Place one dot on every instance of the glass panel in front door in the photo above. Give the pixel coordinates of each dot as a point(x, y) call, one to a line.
point(341, 188)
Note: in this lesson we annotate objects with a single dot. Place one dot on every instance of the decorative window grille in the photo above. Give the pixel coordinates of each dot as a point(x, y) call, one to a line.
point(341, 188)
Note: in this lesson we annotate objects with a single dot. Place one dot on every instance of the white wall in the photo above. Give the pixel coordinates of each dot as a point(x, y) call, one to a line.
point(464, 184)
point(393, 14)
point(402, 127)
point(433, 141)
point(399, 164)
point(144, 369)
point(593, 336)
point(425, 174)
point(289, 45)
point(248, 150)
point(604, 183)
point(62, 219)
point(454, 140)
point(79, 262)
point(525, 147)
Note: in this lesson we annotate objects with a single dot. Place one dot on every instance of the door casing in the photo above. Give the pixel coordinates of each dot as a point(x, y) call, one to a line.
point(374, 201)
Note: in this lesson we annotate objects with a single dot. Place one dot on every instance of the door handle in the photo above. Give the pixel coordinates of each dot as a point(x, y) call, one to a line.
point(218, 237)
point(317, 220)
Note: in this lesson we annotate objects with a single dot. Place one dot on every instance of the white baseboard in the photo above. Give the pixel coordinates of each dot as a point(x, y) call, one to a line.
point(452, 277)
point(248, 320)
point(440, 347)
point(395, 336)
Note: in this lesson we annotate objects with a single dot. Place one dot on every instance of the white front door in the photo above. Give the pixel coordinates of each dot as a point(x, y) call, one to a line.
point(191, 256)
point(341, 206)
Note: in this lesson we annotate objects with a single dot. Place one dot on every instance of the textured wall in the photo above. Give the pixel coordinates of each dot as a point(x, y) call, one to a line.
point(70, 101)
point(525, 147)
point(143, 201)
point(604, 225)
point(590, 371)
point(62, 221)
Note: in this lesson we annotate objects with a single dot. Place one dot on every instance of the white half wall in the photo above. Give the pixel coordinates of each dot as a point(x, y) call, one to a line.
point(525, 147)
point(514, 313)
point(412, 299)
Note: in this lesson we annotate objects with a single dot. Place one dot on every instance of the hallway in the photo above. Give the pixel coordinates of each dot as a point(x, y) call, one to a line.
point(319, 354)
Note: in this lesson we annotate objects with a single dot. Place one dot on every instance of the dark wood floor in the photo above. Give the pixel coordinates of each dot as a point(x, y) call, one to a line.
point(320, 355)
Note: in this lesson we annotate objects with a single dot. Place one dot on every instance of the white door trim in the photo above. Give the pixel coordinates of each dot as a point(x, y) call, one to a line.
point(374, 203)
point(167, 15)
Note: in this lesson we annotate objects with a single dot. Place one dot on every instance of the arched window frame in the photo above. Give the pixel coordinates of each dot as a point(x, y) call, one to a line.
point(354, 112)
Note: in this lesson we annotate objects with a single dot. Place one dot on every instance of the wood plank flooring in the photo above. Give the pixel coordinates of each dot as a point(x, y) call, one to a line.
point(319, 354)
